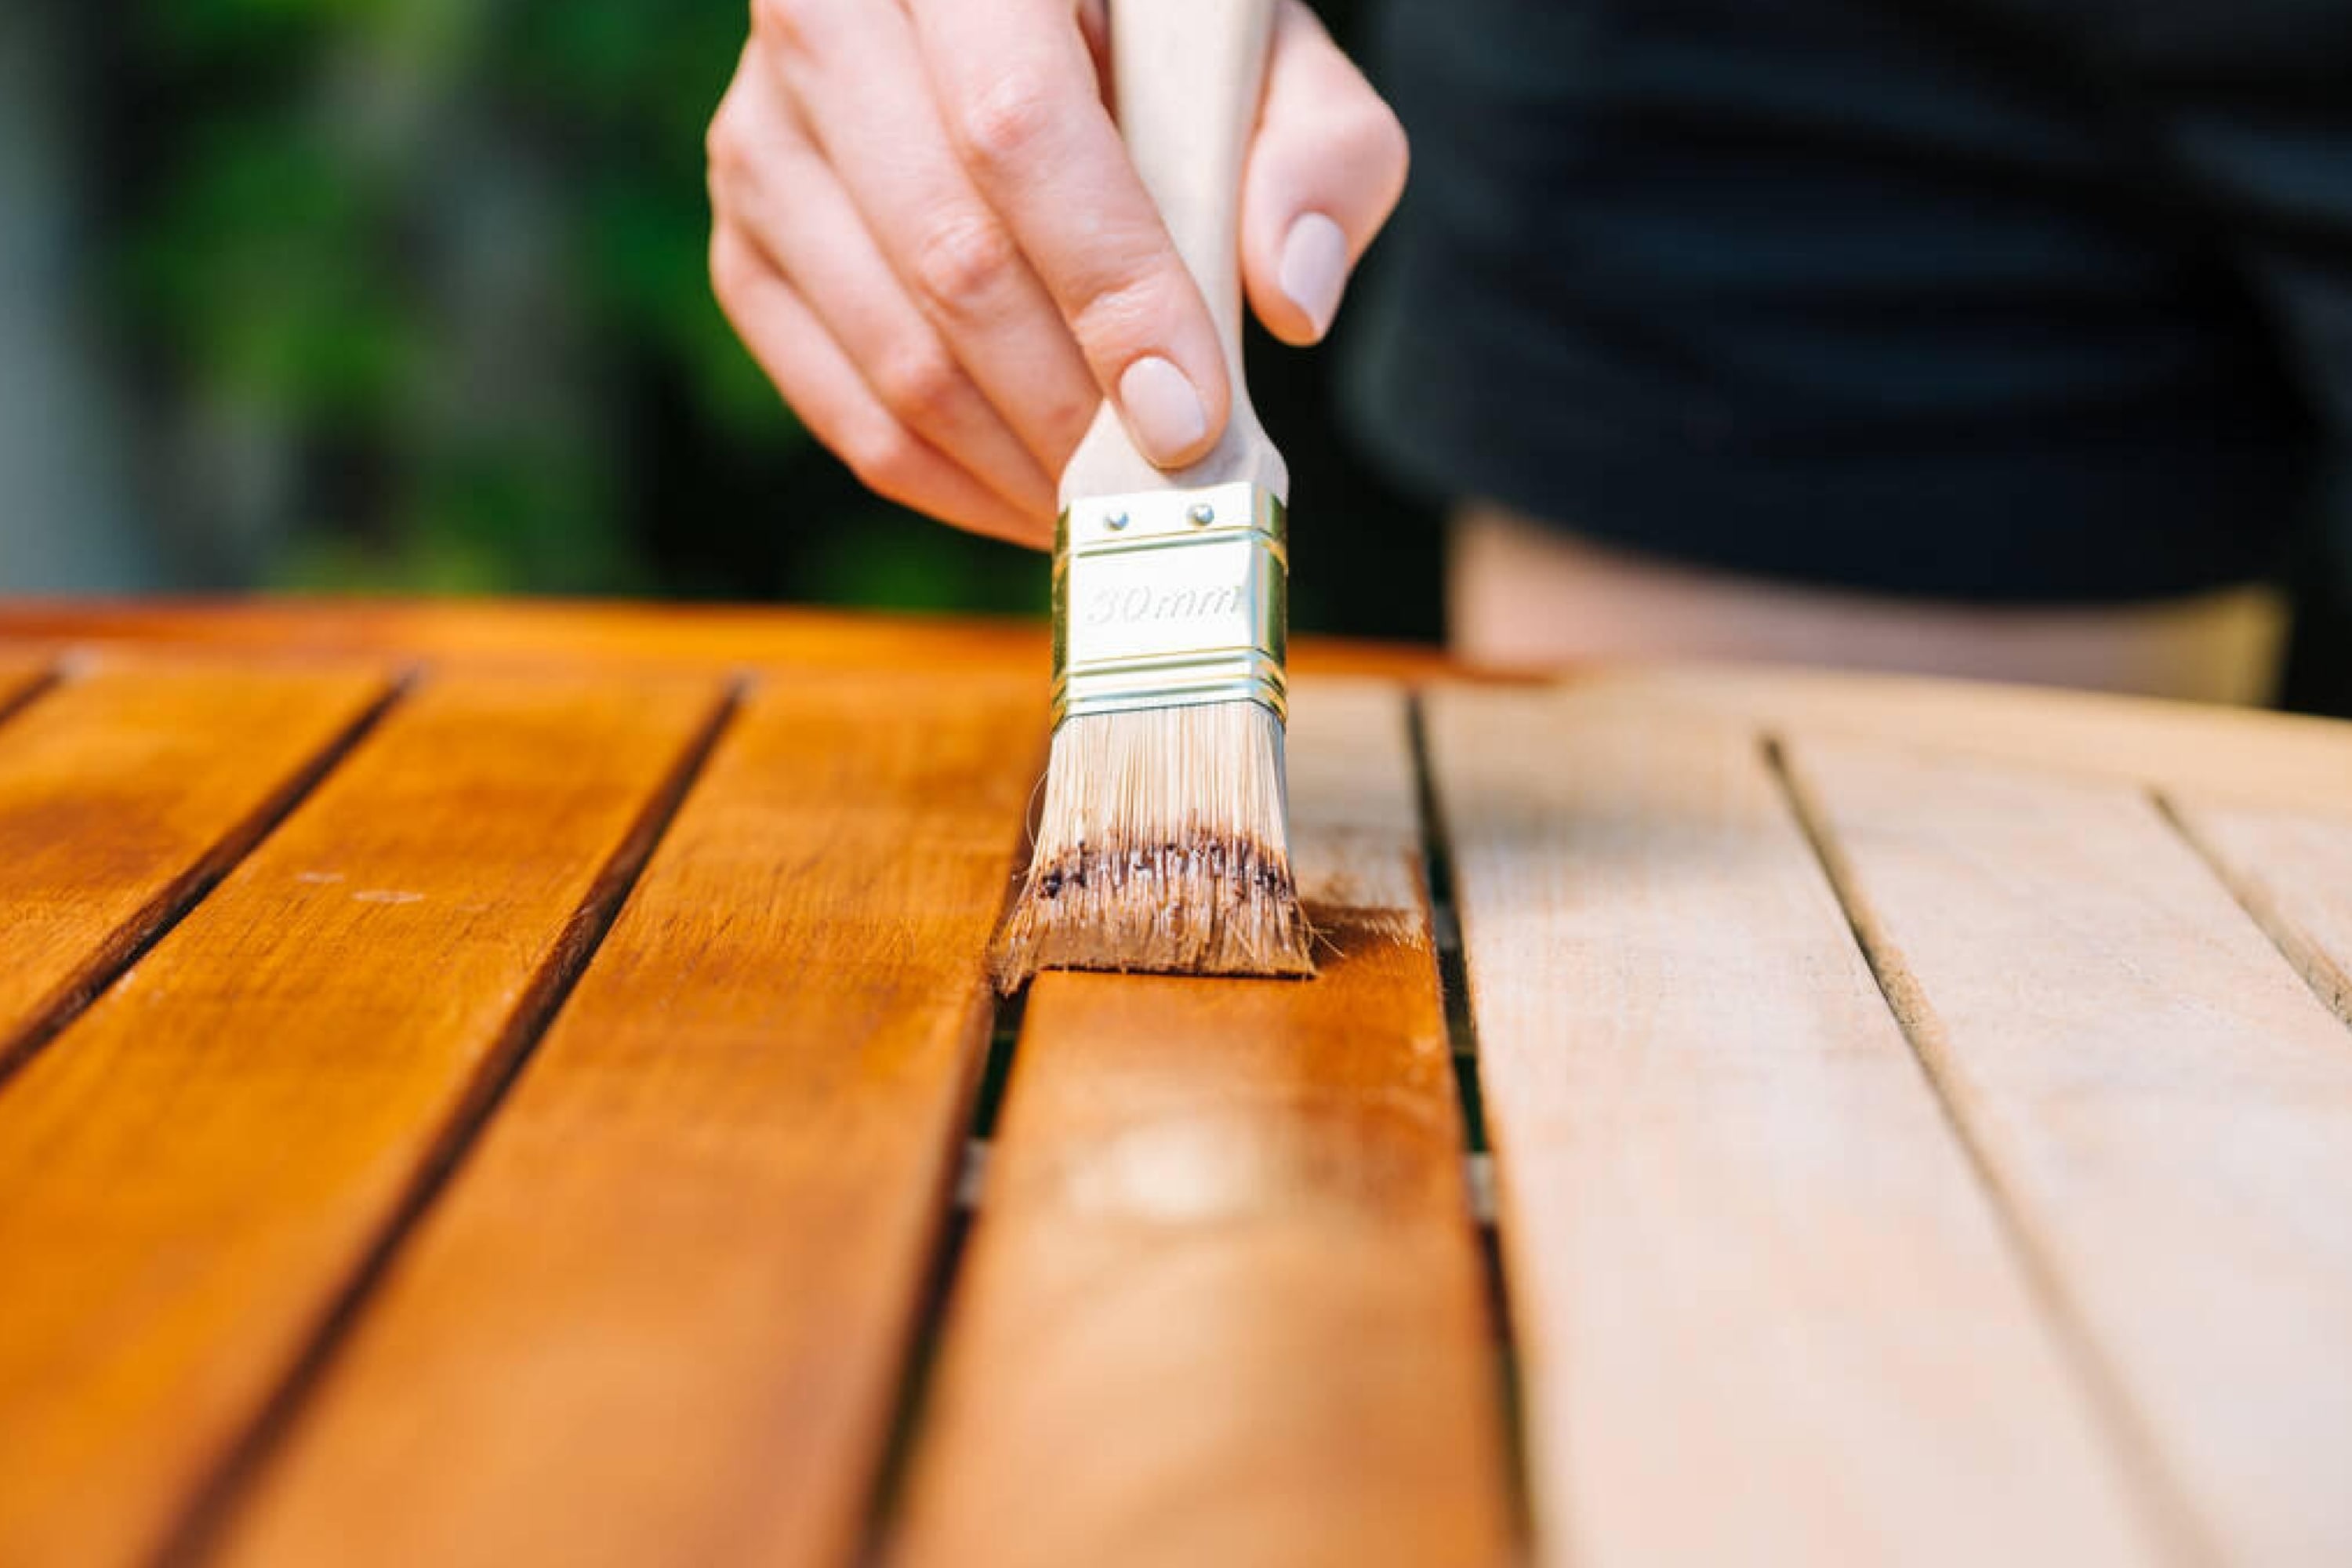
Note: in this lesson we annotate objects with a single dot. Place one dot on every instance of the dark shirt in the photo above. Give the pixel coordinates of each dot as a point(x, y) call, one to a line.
point(1982, 301)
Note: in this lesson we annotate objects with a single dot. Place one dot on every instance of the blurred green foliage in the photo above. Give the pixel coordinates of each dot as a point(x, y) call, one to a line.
point(433, 270)
point(442, 265)
point(295, 256)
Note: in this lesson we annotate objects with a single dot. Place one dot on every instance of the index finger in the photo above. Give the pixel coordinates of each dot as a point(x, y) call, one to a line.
point(1017, 88)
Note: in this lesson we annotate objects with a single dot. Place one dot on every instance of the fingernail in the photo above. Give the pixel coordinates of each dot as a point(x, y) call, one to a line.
point(1162, 409)
point(1315, 269)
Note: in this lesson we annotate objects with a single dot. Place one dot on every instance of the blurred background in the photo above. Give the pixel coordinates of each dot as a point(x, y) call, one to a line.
point(410, 296)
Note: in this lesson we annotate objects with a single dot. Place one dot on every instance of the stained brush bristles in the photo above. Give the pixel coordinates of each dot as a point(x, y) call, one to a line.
point(1162, 844)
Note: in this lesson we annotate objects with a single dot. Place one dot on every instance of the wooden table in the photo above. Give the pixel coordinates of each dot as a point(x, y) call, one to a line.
point(516, 1086)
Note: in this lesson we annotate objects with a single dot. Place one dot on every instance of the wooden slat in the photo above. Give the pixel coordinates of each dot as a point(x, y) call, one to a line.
point(577, 633)
point(2229, 754)
point(21, 673)
point(1222, 1302)
point(662, 1314)
point(2292, 870)
point(126, 791)
point(1764, 1313)
point(2165, 1104)
point(194, 1171)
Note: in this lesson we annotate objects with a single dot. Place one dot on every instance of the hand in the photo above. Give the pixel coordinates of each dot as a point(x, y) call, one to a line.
point(928, 232)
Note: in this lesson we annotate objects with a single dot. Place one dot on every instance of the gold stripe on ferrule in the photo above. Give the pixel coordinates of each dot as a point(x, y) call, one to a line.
point(1168, 599)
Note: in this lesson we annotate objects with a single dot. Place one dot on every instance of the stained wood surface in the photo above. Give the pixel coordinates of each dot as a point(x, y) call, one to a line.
point(573, 634)
point(1223, 1303)
point(330, 1238)
point(197, 1170)
point(1751, 1265)
point(662, 1313)
point(125, 791)
point(21, 675)
point(2159, 1099)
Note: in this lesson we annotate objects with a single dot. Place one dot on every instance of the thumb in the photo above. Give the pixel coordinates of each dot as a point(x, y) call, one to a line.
point(1325, 172)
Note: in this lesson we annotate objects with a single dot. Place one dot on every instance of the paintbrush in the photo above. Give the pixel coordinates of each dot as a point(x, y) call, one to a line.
point(1163, 840)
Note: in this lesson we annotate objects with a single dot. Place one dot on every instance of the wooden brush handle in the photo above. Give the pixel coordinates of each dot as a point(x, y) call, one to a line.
point(1187, 76)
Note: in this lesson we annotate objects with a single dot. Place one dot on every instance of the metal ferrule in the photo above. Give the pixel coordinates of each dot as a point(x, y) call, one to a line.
point(1170, 598)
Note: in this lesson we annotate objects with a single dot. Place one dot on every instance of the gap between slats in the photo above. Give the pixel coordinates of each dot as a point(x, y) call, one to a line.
point(948, 1256)
point(16, 699)
point(574, 950)
point(1461, 1035)
point(2303, 954)
point(972, 1182)
point(969, 1188)
point(1005, 1026)
point(972, 1179)
point(1478, 1165)
point(2125, 1428)
point(174, 903)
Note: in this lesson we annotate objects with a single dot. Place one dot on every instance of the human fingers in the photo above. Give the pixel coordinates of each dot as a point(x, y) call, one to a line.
point(853, 72)
point(769, 180)
point(1022, 103)
point(832, 398)
point(1324, 172)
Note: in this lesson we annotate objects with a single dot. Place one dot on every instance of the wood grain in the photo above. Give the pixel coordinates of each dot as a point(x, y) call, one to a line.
point(197, 1169)
point(2163, 1103)
point(2292, 870)
point(662, 1314)
point(123, 794)
point(1764, 1313)
point(2235, 754)
point(575, 633)
point(21, 675)
point(1223, 1303)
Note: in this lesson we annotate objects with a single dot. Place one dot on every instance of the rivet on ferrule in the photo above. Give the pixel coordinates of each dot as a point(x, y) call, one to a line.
point(1165, 599)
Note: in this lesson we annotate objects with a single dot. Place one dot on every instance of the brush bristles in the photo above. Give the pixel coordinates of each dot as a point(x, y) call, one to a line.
point(1162, 846)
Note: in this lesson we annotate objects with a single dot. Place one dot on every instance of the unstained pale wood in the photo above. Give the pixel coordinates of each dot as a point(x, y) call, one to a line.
point(662, 1314)
point(126, 790)
point(2291, 868)
point(1764, 1313)
point(196, 1171)
point(2162, 1101)
point(2236, 754)
point(1223, 1302)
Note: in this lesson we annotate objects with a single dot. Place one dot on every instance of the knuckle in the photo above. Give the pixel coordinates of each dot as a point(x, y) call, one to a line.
point(722, 140)
point(801, 26)
point(1119, 319)
point(1394, 141)
point(1062, 423)
point(730, 272)
point(884, 457)
point(781, 22)
point(1004, 123)
point(772, 20)
point(964, 262)
point(920, 383)
point(1381, 136)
